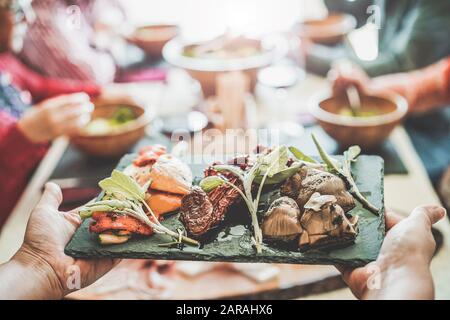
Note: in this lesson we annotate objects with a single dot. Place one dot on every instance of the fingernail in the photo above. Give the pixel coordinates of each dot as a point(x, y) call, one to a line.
point(85, 118)
point(441, 210)
point(433, 212)
point(89, 107)
point(50, 185)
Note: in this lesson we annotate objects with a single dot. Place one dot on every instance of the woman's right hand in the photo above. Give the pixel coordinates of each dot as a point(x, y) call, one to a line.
point(344, 74)
point(63, 115)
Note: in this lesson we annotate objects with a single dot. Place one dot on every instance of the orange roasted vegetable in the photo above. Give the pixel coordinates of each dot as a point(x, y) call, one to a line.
point(170, 174)
point(108, 221)
point(163, 202)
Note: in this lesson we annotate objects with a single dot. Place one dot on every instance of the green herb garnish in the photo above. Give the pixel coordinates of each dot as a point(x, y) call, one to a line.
point(122, 115)
point(210, 183)
point(301, 156)
point(343, 170)
point(126, 196)
point(267, 166)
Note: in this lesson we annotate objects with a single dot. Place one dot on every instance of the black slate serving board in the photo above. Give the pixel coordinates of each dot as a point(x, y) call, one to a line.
point(231, 243)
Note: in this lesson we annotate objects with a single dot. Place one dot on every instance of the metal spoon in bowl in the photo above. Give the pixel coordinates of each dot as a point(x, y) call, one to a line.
point(354, 99)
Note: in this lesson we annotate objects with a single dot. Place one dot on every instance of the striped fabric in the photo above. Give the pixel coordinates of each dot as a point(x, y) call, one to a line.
point(58, 43)
point(11, 101)
point(41, 87)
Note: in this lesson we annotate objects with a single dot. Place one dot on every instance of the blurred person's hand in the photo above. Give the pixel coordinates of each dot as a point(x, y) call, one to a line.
point(424, 89)
point(63, 115)
point(402, 270)
point(40, 269)
point(344, 74)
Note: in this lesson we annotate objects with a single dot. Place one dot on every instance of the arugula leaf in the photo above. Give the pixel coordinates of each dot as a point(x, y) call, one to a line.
point(352, 153)
point(273, 162)
point(281, 175)
point(210, 183)
point(233, 169)
point(344, 172)
point(110, 203)
point(332, 164)
point(350, 156)
point(300, 155)
point(122, 186)
point(269, 166)
point(248, 179)
point(103, 206)
point(125, 196)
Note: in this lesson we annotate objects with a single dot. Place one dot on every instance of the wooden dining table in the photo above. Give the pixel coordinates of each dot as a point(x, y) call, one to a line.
point(403, 192)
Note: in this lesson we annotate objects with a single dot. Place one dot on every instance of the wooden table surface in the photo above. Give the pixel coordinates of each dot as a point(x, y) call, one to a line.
point(402, 193)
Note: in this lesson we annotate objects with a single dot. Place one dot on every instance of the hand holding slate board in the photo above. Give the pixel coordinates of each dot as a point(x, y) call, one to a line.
point(232, 241)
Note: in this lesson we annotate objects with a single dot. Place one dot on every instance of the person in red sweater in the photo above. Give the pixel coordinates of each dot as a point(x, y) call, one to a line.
point(59, 107)
point(26, 132)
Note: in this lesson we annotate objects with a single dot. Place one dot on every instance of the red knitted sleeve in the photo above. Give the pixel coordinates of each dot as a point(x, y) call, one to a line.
point(18, 158)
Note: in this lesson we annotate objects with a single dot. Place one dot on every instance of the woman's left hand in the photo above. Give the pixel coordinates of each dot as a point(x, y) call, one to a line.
point(47, 233)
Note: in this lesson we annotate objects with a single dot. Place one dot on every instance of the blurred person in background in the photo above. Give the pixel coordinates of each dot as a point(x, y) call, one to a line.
point(26, 132)
point(14, 17)
point(427, 91)
point(61, 42)
point(412, 34)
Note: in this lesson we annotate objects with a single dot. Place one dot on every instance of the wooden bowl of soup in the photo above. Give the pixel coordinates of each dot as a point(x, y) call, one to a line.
point(152, 38)
point(113, 129)
point(369, 127)
point(330, 30)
